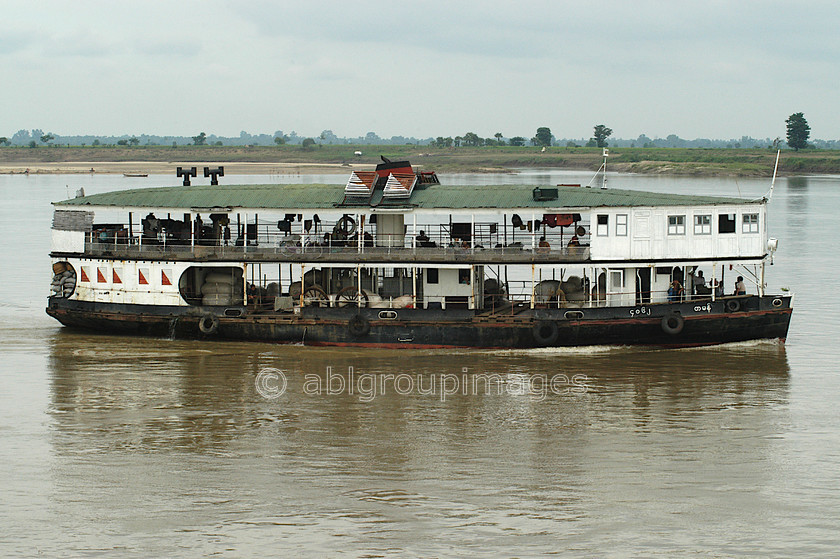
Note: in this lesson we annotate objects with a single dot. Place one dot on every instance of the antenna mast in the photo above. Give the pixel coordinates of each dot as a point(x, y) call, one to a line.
point(606, 154)
point(775, 168)
point(604, 167)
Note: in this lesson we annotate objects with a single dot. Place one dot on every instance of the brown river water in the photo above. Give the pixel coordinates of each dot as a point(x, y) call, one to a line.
point(118, 446)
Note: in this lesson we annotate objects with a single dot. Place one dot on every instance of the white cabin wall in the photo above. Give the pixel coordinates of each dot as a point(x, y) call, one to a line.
point(390, 230)
point(67, 241)
point(648, 236)
point(448, 285)
point(99, 283)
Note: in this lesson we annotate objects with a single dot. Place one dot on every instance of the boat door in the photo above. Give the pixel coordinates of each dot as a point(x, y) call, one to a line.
point(642, 286)
point(621, 290)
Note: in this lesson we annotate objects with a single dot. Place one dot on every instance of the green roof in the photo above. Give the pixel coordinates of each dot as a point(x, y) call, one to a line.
point(328, 196)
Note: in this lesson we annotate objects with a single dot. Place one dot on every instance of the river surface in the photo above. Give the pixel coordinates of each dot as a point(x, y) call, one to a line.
point(119, 446)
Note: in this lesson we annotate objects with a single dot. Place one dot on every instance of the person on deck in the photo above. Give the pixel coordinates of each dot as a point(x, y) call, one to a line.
point(574, 242)
point(740, 287)
point(675, 292)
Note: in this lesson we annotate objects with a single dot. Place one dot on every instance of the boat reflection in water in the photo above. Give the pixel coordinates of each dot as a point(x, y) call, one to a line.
point(172, 441)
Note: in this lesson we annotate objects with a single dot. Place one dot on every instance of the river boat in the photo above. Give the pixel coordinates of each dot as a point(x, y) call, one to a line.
point(393, 258)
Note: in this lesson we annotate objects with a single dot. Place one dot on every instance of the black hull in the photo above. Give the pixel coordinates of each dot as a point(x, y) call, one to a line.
point(667, 325)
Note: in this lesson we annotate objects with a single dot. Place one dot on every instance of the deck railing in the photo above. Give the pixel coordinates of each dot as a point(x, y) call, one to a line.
point(296, 252)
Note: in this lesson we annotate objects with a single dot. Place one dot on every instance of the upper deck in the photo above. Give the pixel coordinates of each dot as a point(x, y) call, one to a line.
point(407, 218)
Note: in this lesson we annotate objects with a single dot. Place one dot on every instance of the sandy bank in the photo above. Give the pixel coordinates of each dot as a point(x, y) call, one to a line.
point(165, 168)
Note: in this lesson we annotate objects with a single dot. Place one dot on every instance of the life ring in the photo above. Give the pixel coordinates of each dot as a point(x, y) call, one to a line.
point(208, 324)
point(545, 332)
point(777, 303)
point(346, 225)
point(733, 305)
point(358, 326)
point(672, 323)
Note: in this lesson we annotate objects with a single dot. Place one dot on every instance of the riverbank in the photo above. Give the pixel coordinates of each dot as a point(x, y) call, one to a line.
point(265, 160)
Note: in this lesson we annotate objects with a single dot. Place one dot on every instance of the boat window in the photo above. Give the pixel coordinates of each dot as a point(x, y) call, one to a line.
point(603, 225)
point(726, 223)
point(676, 225)
point(702, 224)
point(464, 277)
point(431, 275)
point(750, 223)
point(621, 225)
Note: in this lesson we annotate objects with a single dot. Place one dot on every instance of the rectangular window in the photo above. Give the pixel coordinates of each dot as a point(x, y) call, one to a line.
point(603, 225)
point(621, 225)
point(676, 225)
point(432, 275)
point(750, 223)
point(726, 223)
point(702, 225)
point(464, 277)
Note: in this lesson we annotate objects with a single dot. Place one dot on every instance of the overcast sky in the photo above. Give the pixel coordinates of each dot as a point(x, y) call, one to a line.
point(696, 69)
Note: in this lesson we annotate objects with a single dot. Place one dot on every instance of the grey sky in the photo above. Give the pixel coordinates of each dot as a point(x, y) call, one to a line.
point(696, 69)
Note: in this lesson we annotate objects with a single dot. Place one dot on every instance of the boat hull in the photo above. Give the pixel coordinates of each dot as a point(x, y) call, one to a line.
point(666, 325)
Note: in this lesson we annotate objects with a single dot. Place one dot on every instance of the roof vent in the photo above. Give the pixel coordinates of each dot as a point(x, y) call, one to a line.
point(361, 183)
point(545, 194)
point(186, 172)
point(215, 174)
point(399, 185)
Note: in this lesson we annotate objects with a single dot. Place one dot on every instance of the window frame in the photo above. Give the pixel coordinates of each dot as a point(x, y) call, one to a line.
point(602, 229)
point(621, 221)
point(678, 227)
point(750, 227)
point(726, 216)
point(699, 227)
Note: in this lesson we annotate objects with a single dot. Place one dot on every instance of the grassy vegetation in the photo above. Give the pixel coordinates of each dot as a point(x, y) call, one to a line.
point(680, 161)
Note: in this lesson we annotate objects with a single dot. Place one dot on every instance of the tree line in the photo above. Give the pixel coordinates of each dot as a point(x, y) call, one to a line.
point(796, 137)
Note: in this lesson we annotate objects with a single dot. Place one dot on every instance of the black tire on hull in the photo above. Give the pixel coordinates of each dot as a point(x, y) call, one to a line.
point(358, 326)
point(545, 333)
point(733, 305)
point(672, 323)
point(208, 324)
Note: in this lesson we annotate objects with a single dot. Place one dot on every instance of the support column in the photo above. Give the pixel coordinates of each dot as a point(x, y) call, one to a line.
point(414, 288)
point(533, 287)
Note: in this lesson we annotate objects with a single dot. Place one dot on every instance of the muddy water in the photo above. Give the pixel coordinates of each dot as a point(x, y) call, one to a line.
point(122, 446)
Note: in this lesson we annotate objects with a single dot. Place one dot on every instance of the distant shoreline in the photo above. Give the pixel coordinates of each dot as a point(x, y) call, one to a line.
point(293, 160)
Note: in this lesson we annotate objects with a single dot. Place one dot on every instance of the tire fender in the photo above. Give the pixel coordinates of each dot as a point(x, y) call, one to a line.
point(545, 332)
point(358, 326)
point(672, 323)
point(208, 324)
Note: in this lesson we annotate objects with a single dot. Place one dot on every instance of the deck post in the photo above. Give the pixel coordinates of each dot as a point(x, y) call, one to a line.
point(533, 287)
point(359, 285)
point(414, 288)
point(302, 283)
point(533, 231)
point(713, 281)
point(472, 232)
point(761, 281)
point(472, 287)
